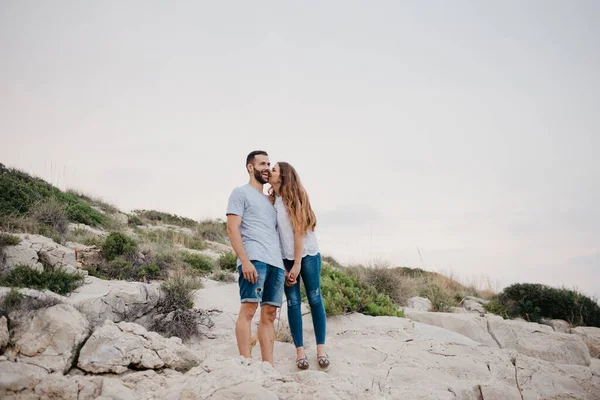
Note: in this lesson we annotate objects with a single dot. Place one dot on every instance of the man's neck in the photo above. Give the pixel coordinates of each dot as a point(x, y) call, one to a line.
point(256, 185)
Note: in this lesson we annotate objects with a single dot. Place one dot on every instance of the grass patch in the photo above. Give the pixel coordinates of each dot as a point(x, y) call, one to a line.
point(6, 239)
point(199, 262)
point(11, 301)
point(343, 293)
point(85, 237)
point(52, 213)
point(57, 280)
point(534, 301)
point(388, 281)
point(118, 244)
point(228, 262)
point(94, 201)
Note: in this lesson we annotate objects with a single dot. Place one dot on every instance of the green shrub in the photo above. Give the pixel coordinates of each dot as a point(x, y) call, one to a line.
point(228, 262)
point(533, 301)
point(134, 220)
point(194, 243)
point(82, 236)
point(495, 307)
point(11, 301)
point(342, 293)
point(52, 213)
point(118, 244)
point(6, 239)
point(199, 262)
point(57, 280)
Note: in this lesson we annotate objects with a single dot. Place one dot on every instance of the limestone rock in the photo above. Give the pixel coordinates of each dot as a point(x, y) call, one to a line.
point(115, 347)
point(37, 251)
point(591, 337)
point(48, 337)
point(539, 341)
point(16, 377)
point(419, 304)
point(557, 324)
point(470, 325)
point(116, 301)
point(473, 306)
point(477, 300)
point(56, 386)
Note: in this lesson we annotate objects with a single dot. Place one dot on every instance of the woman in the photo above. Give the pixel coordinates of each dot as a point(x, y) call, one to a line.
point(296, 223)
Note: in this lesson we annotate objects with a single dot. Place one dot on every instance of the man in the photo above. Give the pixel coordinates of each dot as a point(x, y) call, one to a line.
point(252, 230)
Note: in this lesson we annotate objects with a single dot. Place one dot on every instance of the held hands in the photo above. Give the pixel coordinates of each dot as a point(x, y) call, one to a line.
point(292, 276)
point(249, 272)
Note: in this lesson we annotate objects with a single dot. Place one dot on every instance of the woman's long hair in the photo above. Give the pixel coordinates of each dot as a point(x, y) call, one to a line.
point(295, 199)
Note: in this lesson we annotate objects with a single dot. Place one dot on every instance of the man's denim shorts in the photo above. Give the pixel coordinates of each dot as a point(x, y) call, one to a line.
point(268, 289)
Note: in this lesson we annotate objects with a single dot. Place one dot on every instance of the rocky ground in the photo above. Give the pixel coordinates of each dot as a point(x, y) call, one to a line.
point(93, 344)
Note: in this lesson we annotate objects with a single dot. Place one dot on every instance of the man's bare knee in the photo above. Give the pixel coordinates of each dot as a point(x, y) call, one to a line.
point(268, 313)
point(247, 311)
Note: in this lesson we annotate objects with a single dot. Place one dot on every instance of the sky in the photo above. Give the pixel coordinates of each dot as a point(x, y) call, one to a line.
point(460, 137)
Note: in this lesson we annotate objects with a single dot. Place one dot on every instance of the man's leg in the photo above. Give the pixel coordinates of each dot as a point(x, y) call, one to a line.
point(266, 332)
point(243, 328)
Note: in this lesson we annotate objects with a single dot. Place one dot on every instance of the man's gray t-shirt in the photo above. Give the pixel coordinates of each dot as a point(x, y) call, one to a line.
point(259, 225)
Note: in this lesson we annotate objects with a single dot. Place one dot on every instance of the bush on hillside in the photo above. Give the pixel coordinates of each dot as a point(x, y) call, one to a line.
point(56, 280)
point(93, 201)
point(534, 301)
point(15, 301)
point(343, 293)
point(52, 213)
point(19, 192)
point(222, 276)
point(228, 262)
point(118, 244)
point(199, 262)
point(389, 281)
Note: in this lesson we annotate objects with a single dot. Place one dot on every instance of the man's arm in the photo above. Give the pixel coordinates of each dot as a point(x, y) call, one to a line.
point(235, 237)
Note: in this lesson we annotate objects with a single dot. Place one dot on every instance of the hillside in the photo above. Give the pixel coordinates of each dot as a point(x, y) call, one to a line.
point(96, 303)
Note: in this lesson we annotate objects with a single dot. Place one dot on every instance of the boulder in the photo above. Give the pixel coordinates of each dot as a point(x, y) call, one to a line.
point(4, 335)
point(115, 389)
point(539, 341)
point(116, 301)
point(595, 367)
point(473, 306)
point(16, 377)
point(539, 379)
point(115, 347)
point(38, 251)
point(591, 337)
point(86, 255)
point(56, 386)
point(47, 337)
point(419, 304)
point(472, 326)
point(557, 324)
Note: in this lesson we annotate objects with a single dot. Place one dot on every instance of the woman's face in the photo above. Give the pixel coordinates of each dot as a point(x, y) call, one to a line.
point(275, 176)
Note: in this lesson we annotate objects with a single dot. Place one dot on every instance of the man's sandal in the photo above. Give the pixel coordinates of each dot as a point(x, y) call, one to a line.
point(324, 363)
point(302, 363)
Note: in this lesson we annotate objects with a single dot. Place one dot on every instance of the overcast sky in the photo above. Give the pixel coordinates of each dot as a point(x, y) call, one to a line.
point(466, 131)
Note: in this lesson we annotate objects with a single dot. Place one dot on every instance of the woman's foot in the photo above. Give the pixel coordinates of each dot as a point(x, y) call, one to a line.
point(301, 360)
point(322, 358)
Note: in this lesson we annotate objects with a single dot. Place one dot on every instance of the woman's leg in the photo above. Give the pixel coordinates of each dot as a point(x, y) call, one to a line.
point(294, 301)
point(311, 275)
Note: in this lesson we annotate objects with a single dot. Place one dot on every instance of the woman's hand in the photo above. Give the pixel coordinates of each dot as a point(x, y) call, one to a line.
point(292, 276)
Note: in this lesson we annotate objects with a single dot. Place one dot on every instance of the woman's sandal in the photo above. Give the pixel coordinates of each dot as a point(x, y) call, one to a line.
point(302, 363)
point(324, 363)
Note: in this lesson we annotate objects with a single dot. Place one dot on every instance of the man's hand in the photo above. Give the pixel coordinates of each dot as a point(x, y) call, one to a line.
point(292, 276)
point(249, 272)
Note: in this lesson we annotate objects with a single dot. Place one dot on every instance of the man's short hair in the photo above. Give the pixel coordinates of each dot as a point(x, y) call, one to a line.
point(250, 158)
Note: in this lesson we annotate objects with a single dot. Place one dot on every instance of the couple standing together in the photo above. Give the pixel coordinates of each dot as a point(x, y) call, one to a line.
point(273, 237)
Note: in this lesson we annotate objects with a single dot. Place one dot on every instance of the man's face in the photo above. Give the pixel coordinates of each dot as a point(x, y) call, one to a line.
point(260, 168)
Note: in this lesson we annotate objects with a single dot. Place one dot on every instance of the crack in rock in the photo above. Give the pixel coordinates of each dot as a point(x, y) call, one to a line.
point(492, 334)
point(514, 362)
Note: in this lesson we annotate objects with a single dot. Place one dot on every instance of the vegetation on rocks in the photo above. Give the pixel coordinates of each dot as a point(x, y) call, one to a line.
point(6, 239)
point(534, 301)
point(55, 280)
point(228, 262)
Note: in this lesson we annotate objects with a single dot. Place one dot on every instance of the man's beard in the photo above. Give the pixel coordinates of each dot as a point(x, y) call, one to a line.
point(259, 177)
